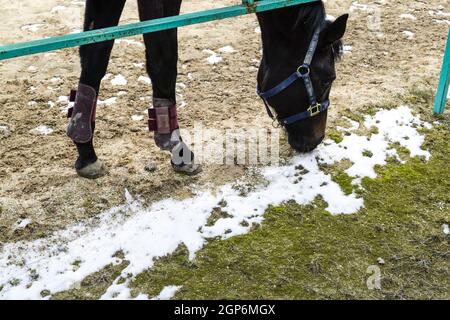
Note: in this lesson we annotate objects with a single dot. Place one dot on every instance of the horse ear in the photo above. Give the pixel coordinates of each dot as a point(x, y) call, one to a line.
point(336, 30)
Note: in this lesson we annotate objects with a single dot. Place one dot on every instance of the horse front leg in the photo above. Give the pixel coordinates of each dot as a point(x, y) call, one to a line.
point(94, 62)
point(162, 59)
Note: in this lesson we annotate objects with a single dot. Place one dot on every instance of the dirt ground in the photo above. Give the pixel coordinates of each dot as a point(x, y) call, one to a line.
point(37, 180)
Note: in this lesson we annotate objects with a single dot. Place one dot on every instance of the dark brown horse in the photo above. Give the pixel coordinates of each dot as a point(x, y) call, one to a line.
point(287, 35)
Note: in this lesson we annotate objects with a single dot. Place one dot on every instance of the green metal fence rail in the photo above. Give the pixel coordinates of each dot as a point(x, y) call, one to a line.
point(442, 93)
point(82, 38)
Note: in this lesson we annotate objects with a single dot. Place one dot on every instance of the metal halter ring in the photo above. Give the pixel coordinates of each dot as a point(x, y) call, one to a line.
point(304, 70)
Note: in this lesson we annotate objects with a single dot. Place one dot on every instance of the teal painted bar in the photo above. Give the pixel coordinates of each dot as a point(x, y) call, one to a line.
point(444, 82)
point(83, 38)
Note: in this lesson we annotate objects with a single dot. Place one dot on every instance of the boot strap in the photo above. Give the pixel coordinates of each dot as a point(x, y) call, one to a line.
point(163, 120)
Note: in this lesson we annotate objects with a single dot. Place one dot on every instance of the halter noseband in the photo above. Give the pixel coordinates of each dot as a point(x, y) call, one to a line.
point(303, 72)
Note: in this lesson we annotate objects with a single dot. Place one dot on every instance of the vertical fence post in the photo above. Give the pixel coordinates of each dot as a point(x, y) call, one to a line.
point(444, 82)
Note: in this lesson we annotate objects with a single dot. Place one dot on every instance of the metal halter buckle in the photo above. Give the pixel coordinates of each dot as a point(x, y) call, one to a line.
point(314, 110)
point(304, 70)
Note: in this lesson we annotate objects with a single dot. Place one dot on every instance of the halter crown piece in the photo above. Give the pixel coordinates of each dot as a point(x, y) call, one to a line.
point(302, 72)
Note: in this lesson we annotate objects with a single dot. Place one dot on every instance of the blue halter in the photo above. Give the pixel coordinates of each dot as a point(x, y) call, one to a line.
point(303, 72)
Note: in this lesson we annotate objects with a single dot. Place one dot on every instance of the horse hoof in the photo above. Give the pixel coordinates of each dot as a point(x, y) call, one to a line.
point(188, 169)
point(93, 171)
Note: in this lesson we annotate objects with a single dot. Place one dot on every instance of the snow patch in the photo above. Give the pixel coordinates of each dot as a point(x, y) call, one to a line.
point(129, 42)
point(137, 117)
point(107, 102)
point(358, 6)
point(145, 80)
point(408, 34)
point(445, 229)
point(139, 65)
point(21, 224)
point(42, 130)
point(32, 27)
point(227, 49)
point(4, 131)
point(444, 21)
point(213, 57)
point(407, 16)
point(167, 293)
point(63, 99)
point(347, 49)
point(119, 80)
point(58, 9)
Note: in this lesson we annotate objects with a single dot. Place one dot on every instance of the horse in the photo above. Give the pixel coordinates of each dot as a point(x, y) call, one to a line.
point(300, 49)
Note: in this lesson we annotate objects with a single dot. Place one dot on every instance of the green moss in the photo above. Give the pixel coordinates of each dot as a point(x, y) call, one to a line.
point(14, 282)
point(303, 252)
point(344, 181)
point(93, 286)
point(76, 264)
point(216, 214)
point(367, 153)
point(173, 269)
point(420, 96)
point(336, 136)
point(45, 293)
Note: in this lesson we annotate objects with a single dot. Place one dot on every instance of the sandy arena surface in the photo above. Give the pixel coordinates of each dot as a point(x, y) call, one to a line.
point(37, 180)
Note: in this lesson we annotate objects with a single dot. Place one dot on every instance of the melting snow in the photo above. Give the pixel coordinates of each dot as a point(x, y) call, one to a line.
point(347, 49)
point(21, 224)
point(167, 293)
point(139, 65)
point(32, 27)
point(145, 80)
point(42, 130)
point(145, 233)
point(445, 229)
point(137, 117)
point(130, 42)
point(119, 80)
point(408, 34)
point(227, 49)
point(442, 21)
point(357, 6)
point(213, 57)
point(407, 16)
point(63, 99)
point(4, 130)
point(108, 102)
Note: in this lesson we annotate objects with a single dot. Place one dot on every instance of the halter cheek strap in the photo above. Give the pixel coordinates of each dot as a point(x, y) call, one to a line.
point(303, 72)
